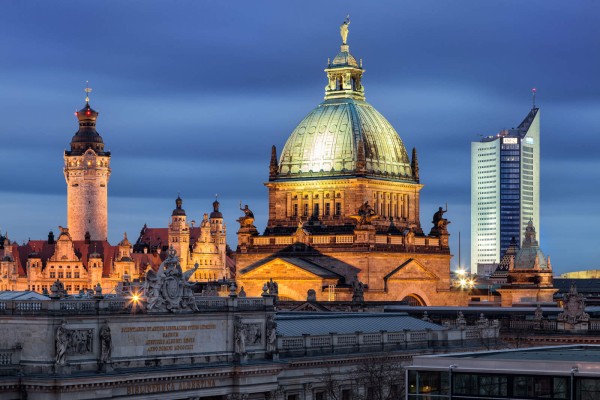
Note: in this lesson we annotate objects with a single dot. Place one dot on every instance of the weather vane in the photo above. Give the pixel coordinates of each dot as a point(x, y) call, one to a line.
point(87, 91)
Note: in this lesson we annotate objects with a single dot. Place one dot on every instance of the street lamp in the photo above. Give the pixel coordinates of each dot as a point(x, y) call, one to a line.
point(450, 368)
point(574, 370)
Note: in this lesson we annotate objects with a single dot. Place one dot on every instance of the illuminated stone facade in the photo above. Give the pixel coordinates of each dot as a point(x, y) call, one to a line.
point(344, 209)
point(204, 245)
point(81, 257)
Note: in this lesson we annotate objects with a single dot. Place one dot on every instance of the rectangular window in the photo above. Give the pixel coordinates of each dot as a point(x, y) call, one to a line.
point(346, 394)
point(61, 274)
point(295, 212)
point(69, 274)
point(69, 288)
point(76, 274)
point(316, 210)
point(52, 274)
point(338, 209)
point(328, 209)
point(305, 210)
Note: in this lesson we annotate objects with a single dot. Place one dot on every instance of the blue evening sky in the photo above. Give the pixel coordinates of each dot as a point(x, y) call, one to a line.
point(192, 94)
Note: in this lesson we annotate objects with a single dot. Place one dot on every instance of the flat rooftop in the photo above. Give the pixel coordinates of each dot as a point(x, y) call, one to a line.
point(551, 360)
point(580, 353)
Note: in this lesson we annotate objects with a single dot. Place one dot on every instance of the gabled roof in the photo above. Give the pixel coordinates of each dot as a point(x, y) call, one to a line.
point(22, 295)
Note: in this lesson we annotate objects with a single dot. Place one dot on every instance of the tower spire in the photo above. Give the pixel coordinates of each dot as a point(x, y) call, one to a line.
point(273, 166)
point(415, 164)
point(87, 91)
point(533, 90)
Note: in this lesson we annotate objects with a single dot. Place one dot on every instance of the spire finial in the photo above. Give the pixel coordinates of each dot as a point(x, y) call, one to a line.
point(344, 29)
point(533, 90)
point(87, 91)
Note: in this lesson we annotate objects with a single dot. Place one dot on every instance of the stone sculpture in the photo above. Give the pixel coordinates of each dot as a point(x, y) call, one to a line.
point(105, 343)
point(358, 291)
point(239, 335)
point(271, 334)
point(61, 341)
point(365, 215)
point(573, 308)
point(169, 288)
point(440, 224)
point(344, 29)
point(247, 221)
point(272, 287)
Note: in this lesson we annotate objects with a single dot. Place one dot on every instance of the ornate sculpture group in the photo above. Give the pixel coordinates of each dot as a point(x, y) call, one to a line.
point(169, 288)
point(270, 288)
point(573, 308)
point(81, 341)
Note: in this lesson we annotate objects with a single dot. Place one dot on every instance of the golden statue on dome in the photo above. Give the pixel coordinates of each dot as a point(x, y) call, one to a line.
point(344, 29)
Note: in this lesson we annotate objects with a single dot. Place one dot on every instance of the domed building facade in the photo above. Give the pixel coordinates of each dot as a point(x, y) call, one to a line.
point(344, 208)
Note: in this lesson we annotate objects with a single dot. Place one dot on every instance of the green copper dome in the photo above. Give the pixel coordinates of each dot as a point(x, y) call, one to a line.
point(344, 135)
point(329, 139)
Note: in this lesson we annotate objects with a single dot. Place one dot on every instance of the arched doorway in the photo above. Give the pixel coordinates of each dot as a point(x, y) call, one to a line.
point(413, 300)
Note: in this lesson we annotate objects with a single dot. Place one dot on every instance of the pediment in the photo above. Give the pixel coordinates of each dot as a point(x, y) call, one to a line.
point(411, 270)
point(280, 269)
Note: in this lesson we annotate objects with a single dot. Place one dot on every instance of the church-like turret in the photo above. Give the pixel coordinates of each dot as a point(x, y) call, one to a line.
point(179, 232)
point(87, 172)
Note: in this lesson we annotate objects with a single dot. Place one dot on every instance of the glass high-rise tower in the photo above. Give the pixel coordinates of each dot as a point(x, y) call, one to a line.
point(505, 189)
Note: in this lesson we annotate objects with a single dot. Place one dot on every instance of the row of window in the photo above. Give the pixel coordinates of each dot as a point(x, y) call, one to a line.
point(61, 274)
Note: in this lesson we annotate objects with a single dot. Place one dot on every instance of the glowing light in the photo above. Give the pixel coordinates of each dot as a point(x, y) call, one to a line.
point(135, 298)
point(461, 272)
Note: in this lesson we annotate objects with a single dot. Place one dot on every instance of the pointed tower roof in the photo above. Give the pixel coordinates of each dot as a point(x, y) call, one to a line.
point(530, 256)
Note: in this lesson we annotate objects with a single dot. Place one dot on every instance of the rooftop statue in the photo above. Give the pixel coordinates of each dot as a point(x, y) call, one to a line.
point(440, 224)
point(247, 221)
point(344, 29)
point(366, 214)
point(169, 288)
point(573, 308)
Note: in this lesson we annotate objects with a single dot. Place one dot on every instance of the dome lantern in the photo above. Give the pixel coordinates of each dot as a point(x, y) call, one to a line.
point(344, 74)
